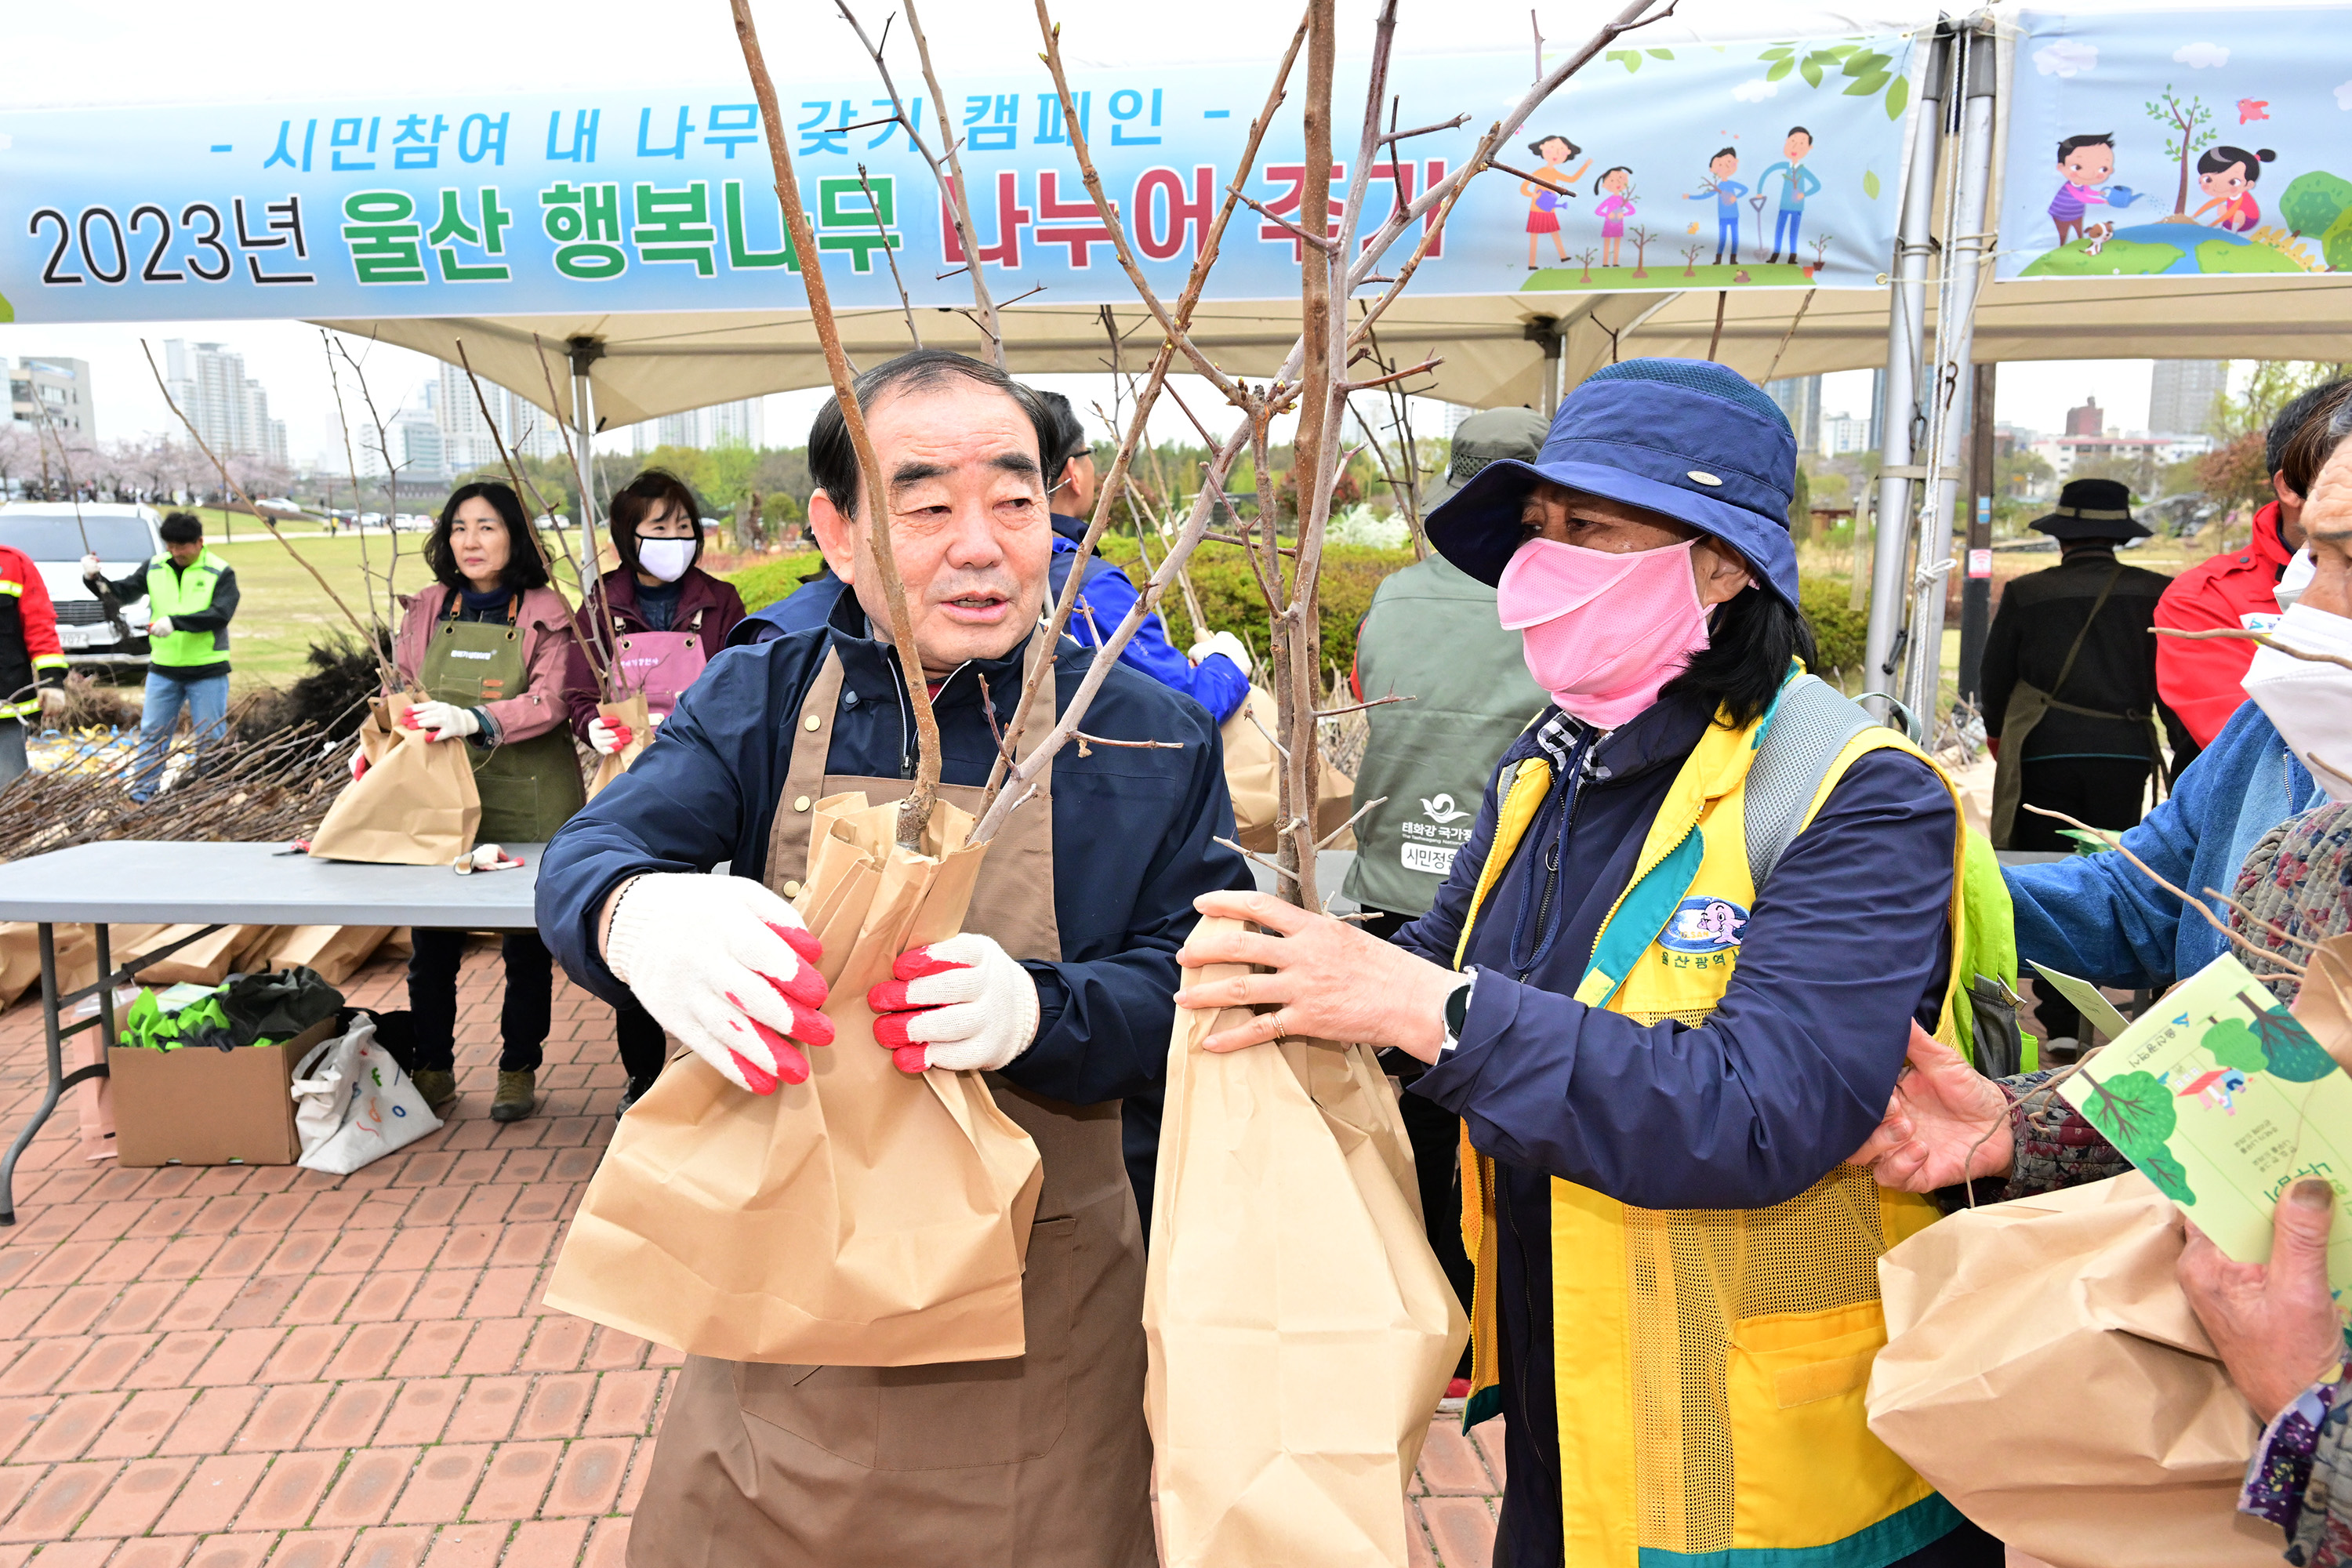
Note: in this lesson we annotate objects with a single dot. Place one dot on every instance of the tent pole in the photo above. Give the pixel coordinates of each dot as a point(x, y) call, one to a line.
point(584, 352)
point(1976, 591)
point(1905, 345)
point(1965, 247)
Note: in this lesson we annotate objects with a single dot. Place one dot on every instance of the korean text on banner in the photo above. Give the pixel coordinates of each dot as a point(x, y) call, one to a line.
point(1761, 165)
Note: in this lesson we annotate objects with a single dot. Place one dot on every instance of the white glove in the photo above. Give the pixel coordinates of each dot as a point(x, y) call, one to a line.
point(91, 565)
point(963, 1004)
point(727, 967)
point(358, 763)
point(1225, 643)
point(608, 735)
point(161, 626)
point(445, 720)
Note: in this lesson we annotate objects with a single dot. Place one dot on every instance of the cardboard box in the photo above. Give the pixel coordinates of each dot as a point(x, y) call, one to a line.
point(198, 1106)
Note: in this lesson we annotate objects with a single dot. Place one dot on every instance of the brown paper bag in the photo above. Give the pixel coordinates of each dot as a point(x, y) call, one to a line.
point(1252, 777)
point(1301, 1331)
point(416, 805)
point(20, 958)
point(334, 952)
point(863, 1219)
point(2043, 1372)
point(208, 960)
point(632, 711)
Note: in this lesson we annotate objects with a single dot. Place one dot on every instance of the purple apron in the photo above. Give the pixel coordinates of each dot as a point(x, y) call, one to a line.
point(662, 665)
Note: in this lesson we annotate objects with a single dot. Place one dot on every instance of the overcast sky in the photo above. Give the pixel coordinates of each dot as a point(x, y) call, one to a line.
point(167, 51)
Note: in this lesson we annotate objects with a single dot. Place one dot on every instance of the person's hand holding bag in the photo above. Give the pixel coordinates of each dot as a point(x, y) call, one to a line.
point(608, 735)
point(727, 966)
point(964, 1004)
point(447, 720)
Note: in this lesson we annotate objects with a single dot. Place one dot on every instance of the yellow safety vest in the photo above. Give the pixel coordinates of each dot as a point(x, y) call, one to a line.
point(170, 593)
point(1710, 1363)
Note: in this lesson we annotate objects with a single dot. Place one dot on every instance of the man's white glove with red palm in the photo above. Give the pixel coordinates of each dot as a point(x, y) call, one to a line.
point(728, 967)
point(964, 1004)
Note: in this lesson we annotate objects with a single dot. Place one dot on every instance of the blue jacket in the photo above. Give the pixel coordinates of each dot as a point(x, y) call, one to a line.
point(1216, 683)
point(1134, 830)
point(1786, 1079)
point(2100, 917)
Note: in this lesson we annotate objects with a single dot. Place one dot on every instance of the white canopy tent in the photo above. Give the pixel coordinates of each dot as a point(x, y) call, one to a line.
point(1493, 345)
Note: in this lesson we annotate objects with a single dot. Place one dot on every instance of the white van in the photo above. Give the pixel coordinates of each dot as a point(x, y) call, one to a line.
point(125, 537)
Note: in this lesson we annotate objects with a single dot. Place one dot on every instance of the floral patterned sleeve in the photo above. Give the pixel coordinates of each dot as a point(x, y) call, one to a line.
point(2301, 1477)
point(2055, 1146)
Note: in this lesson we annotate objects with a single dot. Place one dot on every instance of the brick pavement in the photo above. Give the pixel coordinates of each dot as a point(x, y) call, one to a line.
point(265, 1367)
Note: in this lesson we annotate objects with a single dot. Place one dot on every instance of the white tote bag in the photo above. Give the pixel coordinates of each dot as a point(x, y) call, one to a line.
point(353, 1104)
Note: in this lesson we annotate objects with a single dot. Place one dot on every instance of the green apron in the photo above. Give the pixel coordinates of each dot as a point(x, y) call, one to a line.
point(529, 788)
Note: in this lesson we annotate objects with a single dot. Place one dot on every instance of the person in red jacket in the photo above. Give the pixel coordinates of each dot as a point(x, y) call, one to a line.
point(32, 660)
point(2198, 680)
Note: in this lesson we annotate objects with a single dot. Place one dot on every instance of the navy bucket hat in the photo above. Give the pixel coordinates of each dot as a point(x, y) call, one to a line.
point(1689, 438)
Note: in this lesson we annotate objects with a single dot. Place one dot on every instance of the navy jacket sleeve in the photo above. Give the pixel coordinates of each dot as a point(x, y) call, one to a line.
point(1790, 1073)
point(1214, 683)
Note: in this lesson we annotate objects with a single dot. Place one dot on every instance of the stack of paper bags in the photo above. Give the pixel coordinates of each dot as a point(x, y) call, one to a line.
point(1300, 1328)
point(866, 1217)
point(333, 953)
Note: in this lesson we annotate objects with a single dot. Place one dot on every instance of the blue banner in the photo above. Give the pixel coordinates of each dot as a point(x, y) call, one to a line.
point(2216, 143)
point(1758, 165)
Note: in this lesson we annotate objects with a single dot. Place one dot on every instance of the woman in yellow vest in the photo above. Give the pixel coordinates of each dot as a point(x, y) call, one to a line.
point(1661, 1057)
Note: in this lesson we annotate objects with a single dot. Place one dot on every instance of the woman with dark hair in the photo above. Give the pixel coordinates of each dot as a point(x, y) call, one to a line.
point(658, 617)
point(491, 647)
point(1666, 986)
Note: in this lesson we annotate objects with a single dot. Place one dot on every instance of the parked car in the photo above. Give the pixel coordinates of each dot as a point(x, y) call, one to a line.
point(125, 538)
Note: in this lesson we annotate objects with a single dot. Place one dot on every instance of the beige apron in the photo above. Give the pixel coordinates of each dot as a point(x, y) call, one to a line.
point(2028, 706)
point(1041, 1461)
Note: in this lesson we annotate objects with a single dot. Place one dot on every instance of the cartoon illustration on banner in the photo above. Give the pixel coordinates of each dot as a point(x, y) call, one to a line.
point(1817, 120)
point(548, 204)
point(2174, 143)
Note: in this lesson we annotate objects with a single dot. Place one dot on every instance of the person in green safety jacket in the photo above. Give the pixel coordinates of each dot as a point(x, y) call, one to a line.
point(191, 596)
point(491, 645)
point(1431, 638)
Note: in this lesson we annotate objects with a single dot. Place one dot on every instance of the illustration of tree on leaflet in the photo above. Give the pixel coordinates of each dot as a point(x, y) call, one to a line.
point(2191, 125)
point(2222, 1098)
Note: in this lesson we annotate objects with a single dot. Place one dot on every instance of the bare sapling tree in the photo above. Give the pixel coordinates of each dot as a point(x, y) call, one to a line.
point(950, 177)
point(1011, 780)
point(106, 599)
point(359, 498)
point(1335, 263)
point(368, 635)
point(915, 812)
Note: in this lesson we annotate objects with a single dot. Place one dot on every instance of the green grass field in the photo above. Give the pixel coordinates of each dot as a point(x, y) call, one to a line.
point(281, 610)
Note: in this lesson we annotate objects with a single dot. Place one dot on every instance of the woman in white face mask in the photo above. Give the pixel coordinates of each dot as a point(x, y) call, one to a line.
point(655, 619)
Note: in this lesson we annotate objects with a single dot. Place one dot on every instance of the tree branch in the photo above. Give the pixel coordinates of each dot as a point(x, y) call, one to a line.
point(915, 812)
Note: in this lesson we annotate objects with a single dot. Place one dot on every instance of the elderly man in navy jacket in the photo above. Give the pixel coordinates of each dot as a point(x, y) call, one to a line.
point(1067, 999)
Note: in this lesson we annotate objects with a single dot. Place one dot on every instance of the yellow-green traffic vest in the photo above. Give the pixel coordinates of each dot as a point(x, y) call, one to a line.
point(1710, 1363)
point(186, 591)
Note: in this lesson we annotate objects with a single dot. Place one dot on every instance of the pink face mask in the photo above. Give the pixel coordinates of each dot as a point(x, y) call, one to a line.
point(1603, 631)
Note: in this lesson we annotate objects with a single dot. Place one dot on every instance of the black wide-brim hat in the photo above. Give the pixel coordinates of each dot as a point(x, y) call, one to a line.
point(2091, 509)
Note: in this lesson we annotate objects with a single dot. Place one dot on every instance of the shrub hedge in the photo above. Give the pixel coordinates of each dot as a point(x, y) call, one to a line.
point(1228, 597)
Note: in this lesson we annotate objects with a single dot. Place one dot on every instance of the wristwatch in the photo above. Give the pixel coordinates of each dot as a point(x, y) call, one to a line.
point(1457, 1011)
